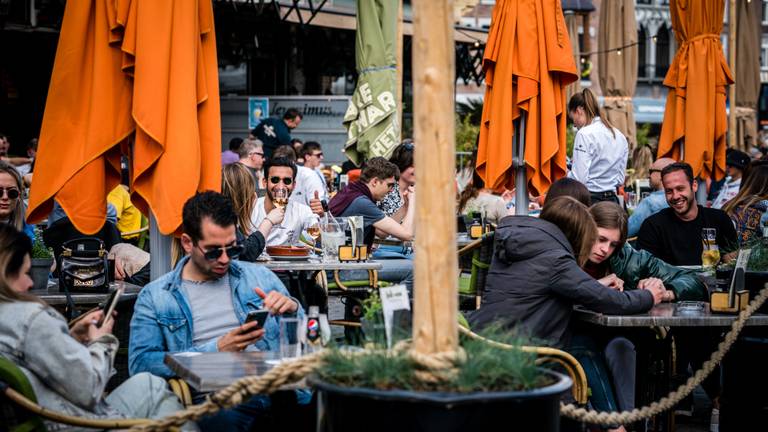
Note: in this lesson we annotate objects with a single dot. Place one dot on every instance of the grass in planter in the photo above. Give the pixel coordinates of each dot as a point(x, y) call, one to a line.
point(487, 369)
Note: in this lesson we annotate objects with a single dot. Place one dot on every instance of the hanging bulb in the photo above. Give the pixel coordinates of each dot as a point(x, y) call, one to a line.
point(653, 39)
point(618, 52)
point(477, 44)
point(583, 60)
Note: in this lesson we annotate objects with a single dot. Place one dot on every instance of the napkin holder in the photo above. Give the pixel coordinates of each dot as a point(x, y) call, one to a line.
point(349, 253)
point(736, 299)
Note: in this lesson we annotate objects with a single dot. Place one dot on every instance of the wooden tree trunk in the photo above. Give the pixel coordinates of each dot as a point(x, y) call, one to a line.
point(436, 264)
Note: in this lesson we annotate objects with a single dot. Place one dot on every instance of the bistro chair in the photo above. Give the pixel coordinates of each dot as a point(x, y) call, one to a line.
point(475, 257)
point(20, 411)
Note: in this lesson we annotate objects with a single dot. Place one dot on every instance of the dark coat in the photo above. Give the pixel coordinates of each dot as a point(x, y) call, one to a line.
point(534, 282)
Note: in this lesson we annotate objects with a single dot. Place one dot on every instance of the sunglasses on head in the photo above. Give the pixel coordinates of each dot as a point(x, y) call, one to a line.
point(286, 180)
point(233, 252)
point(11, 192)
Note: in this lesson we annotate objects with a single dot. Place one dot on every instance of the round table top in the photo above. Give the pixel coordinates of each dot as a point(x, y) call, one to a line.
point(53, 296)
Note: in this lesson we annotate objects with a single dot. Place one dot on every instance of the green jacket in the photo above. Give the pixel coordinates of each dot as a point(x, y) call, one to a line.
point(634, 265)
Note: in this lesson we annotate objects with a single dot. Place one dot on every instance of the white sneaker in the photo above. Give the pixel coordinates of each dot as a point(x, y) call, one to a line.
point(714, 420)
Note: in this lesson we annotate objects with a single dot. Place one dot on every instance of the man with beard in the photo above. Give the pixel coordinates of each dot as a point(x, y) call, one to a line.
point(674, 234)
point(202, 305)
point(280, 173)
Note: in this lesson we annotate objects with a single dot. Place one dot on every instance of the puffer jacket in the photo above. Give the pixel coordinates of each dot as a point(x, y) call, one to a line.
point(634, 265)
point(534, 281)
point(66, 375)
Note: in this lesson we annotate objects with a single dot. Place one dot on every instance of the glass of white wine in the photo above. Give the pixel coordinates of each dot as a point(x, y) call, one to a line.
point(312, 228)
point(710, 253)
point(280, 199)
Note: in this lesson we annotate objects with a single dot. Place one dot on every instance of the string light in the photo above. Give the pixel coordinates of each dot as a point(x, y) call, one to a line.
point(618, 52)
point(477, 44)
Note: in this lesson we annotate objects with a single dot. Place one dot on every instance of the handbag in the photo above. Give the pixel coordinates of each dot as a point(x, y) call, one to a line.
point(83, 266)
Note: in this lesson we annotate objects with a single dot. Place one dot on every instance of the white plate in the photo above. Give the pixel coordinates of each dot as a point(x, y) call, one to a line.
point(289, 258)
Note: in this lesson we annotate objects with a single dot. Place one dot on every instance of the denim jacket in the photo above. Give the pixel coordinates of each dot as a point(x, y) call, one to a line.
point(651, 205)
point(162, 318)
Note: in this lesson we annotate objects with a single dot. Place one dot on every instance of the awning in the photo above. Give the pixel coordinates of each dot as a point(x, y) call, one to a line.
point(344, 18)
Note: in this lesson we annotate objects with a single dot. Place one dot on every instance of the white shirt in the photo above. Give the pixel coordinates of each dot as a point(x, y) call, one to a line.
point(599, 159)
point(307, 182)
point(287, 232)
point(727, 192)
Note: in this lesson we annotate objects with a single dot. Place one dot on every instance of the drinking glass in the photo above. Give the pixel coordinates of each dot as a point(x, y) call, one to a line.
point(710, 253)
point(332, 236)
point(280, 198)
point(312, 228)
point(290, 345)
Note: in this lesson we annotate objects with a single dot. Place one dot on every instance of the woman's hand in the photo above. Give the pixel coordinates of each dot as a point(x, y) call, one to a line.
point(612, 281)
point(85, 330)
point(656, 287)
point(276, 216)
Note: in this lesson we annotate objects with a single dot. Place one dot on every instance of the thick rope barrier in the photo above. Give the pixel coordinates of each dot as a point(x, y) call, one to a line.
point(441, 367)
point(612, 418)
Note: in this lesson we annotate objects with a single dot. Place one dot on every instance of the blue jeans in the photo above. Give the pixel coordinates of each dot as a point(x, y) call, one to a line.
point(239, 418)
point(586, 351)
point(393, 252)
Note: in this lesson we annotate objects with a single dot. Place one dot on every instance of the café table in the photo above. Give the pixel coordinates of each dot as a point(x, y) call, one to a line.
point(54, 297)
point(211, 371)
point(668, 315)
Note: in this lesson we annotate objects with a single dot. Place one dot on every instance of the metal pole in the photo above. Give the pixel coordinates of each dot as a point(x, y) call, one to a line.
point(160, 247)
point(518, 161)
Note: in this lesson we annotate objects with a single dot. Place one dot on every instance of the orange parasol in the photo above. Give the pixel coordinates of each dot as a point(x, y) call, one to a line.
point(695, 121)
point(138, 69)
point(528, 64)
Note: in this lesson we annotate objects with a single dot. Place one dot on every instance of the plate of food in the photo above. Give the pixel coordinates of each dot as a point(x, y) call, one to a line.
point(288, 253)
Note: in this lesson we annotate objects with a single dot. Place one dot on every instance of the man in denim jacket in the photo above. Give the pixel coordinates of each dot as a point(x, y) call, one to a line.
point(202, 305)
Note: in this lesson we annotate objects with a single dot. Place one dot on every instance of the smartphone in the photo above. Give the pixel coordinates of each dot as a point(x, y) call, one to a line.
point(259, 316)
point(109, 306)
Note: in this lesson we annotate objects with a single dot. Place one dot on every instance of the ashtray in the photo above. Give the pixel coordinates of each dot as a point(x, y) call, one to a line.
point(690, 307)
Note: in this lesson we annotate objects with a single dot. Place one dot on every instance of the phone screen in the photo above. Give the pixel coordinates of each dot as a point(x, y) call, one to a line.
point(109, 306)
point(258, 315)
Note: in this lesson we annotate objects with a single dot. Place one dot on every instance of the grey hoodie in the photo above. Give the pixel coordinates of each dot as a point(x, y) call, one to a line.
point(534, 282)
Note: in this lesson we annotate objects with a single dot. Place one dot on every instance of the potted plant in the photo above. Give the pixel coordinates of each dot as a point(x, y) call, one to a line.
point(42, 261)
point(756, 274)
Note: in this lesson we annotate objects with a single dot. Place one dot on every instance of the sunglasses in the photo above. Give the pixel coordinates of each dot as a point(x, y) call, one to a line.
point(11, 192)
point(286, 180)
point(390, 186)
point(256, 153)
point(317, 154)
point(233, 252)
point(651, 171)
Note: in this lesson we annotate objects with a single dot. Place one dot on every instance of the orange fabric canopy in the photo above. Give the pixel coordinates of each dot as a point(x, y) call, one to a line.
point(141, 73)
point(528, 64)
point(694, 116)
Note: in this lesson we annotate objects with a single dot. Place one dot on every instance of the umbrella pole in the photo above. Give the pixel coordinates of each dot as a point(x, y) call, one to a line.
point(518, 161)
point(160, 245)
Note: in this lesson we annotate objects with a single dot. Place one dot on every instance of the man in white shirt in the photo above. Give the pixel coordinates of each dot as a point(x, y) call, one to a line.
point(280, 173)
point(312, 153)
point(735, 163)
point(310, 187)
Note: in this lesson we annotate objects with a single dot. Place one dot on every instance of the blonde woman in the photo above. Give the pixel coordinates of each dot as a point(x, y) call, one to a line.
point(12, 200)
point(237, 184)
point(67, 367)
point(600, 150)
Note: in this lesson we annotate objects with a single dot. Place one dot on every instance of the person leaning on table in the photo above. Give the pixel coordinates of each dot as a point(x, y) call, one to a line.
point(68, 367)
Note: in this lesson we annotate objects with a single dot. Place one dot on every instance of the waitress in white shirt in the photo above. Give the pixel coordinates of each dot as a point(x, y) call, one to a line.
point(599, 151)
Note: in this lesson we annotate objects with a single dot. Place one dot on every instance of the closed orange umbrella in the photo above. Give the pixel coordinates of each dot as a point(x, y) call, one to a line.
point(528, 63)
point(145, 70)
point(695, 121)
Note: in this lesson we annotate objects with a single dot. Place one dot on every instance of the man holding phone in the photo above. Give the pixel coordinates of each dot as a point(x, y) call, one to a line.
point(203, 305)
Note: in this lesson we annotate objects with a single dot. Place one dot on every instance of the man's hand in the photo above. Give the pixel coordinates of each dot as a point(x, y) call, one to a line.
point(612, 281)
point(276, 303)
point(85, 329)
point(316, 205)
point(239, 338)
point(729, 257)
point(656, 287)
point(120, 273)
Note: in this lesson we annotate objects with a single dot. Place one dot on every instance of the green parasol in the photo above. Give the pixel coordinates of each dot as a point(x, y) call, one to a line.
point(371, 118)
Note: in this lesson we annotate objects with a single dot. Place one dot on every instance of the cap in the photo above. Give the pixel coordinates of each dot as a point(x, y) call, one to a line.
point(737, 159)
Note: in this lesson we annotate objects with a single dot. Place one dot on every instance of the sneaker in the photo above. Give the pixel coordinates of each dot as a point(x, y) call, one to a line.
point(714, 420)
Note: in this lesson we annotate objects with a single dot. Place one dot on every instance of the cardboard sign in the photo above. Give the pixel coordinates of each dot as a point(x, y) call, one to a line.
point(393, 298)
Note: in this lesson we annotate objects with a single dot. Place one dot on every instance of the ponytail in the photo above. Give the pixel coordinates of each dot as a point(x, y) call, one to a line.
point(587, 101)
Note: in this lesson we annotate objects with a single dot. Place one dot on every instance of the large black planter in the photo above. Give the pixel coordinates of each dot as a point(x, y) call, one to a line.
point(41, 267)
point(345, 409)
point(754, 281)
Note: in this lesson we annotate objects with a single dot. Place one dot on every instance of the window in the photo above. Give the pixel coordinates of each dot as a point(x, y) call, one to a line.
point(764, 55)
point(642, 56)
point(662, 52)
point(765, 12)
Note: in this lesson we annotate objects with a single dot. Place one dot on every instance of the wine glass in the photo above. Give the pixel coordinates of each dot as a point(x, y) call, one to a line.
point(312, 228)
point(280, 198)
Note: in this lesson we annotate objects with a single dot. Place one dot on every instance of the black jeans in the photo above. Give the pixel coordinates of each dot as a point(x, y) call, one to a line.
point(609, 196)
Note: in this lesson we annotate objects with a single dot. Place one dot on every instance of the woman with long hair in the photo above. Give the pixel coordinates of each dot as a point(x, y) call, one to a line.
point(749, 208)
point(12, 211)
point(536, 278)
point(600, 150)
point(476, 198)
point(642, 159)
point(237, 184)
point(68, 368)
